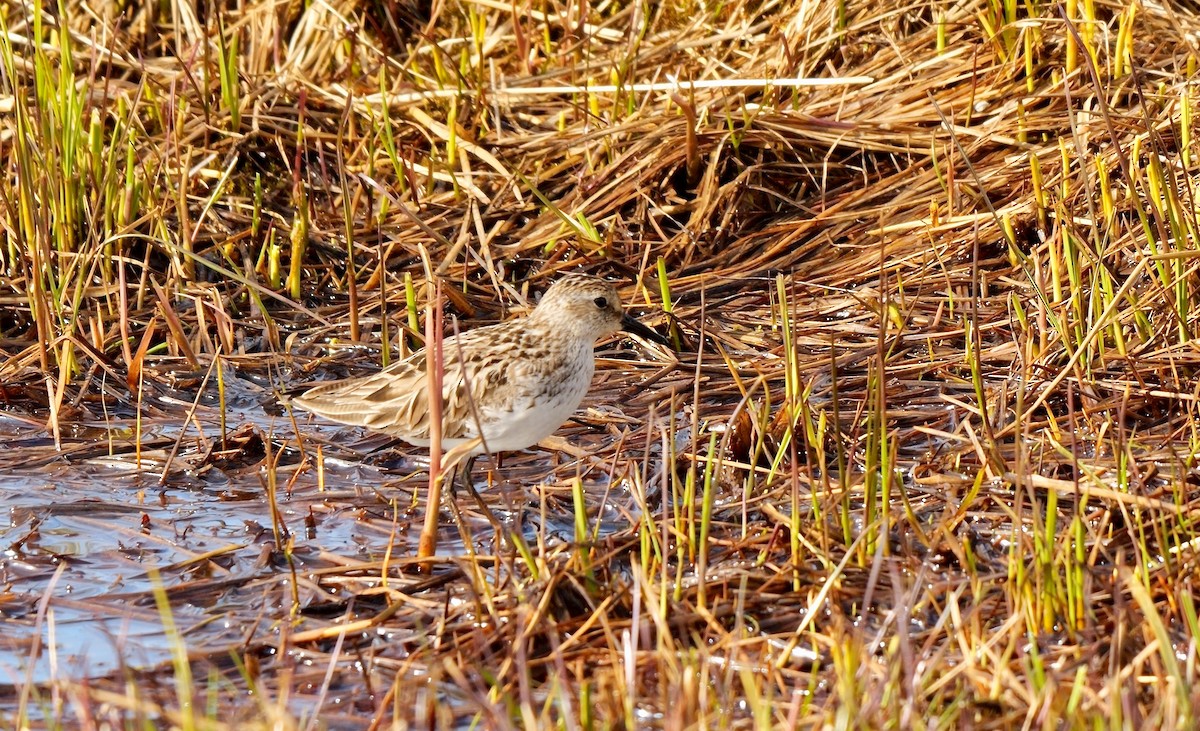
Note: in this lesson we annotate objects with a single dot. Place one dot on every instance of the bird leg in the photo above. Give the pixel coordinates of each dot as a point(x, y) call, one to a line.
point(464, 470)
point(461, 459)
point(466, 467)
point(452, 462)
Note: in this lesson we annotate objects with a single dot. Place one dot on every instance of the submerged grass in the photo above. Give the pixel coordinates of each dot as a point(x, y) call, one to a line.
point(925, 458)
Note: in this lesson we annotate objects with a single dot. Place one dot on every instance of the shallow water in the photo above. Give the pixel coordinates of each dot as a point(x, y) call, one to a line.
point(95, 529)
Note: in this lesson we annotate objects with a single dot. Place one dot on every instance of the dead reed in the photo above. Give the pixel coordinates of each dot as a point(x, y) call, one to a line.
point(926, 457)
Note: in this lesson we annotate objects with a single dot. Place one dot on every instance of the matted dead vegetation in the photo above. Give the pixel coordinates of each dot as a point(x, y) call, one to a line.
point(925, 457)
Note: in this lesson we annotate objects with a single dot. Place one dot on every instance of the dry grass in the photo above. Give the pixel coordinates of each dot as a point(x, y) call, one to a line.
point(926, 457)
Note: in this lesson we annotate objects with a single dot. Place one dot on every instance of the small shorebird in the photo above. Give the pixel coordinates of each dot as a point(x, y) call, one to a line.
point(505, 387)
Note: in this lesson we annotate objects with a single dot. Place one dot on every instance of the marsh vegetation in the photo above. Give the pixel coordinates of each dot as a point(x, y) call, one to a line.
point(924, 455)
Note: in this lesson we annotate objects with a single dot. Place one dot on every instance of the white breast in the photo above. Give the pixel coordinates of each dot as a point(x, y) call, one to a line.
point(543, 408)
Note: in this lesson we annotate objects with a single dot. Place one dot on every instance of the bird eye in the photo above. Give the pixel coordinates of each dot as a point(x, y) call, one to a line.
point(601, 302)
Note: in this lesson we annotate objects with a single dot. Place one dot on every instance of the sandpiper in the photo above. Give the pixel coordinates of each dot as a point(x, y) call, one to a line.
point(522, 379)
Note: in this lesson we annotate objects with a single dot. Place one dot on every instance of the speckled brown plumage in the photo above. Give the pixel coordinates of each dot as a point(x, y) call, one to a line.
point(522, 379)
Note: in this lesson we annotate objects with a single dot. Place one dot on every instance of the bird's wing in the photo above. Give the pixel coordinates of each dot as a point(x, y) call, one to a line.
point(487, 388)
point(396, 400)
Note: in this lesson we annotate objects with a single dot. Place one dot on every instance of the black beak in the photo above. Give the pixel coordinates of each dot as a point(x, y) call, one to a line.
point(632, 326)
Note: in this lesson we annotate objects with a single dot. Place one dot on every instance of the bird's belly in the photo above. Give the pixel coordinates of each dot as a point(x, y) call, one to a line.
point(533, 420)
